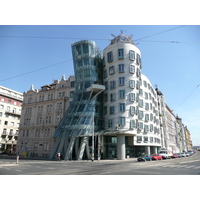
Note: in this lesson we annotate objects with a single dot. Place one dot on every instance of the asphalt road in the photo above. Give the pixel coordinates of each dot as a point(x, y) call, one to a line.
point(179, 166)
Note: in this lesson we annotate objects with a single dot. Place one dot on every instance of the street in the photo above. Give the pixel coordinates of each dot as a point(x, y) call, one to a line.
point(179, 166)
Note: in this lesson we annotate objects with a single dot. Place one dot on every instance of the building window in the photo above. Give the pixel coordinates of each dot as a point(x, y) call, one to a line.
point(112, 110)
point(151, 127)
point(145, 84)
point(140, 126)
point(138, 73)
point(8, 109)
point(145, 139)
point(146, 117)
point(141, 114)
point(140, 92)
point(112, 97)
point(132, 96)
point(146, 106)
point(132, 83)
point(140, 102)
point(120, 53)
point(146, 128)
point(110, 123)
point(121, 94)
point(151, 117)
point(112, 70)
point(146, 95)
point(112, 85)
point(138, 59)
point(132, 124)
point(132, 69)
point(121, 67)
point(72, 94)
point(122, 107)
point(109, 57)
point(121, 80)
point(132, 110)
point(122, 121)
point(72, 84)
point(132, 55)
point(151, 139)
point(6, 123)
point(139, 139)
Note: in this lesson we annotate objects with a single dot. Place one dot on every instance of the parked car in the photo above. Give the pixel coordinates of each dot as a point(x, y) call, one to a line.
point(179, 155)
point(174, 155)
point(183, 154)
point(144, 158)
point(187, 154)
point(190, 153)
point(156, 157)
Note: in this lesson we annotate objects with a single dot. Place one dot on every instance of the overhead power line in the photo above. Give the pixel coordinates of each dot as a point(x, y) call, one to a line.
point(175, 42)
point(160, 32)
point(69, 38)
point(46, 37)
point(35, 70)
point(187, 97)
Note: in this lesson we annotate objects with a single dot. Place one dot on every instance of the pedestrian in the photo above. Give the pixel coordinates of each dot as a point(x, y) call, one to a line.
point(58, 156)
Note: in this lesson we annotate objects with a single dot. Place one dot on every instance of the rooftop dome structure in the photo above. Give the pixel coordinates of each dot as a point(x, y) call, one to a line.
point(121, 39)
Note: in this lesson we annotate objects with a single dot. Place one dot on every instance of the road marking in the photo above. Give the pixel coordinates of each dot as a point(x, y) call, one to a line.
point(197, 167)
point(191, 166)
point(147, 172)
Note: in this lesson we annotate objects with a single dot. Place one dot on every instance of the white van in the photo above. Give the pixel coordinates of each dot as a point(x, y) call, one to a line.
point(165, 154)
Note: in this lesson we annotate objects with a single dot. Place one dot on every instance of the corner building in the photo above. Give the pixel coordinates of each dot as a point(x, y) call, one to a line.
point(131, 116)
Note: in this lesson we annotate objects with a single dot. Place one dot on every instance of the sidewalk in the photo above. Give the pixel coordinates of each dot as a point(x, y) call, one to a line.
point(12, 160)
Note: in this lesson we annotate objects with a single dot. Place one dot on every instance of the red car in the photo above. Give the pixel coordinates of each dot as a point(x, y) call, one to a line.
point(156, 157)
point(174, 155)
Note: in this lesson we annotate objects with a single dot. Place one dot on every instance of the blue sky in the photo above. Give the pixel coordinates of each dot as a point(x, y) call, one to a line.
point(174, 67)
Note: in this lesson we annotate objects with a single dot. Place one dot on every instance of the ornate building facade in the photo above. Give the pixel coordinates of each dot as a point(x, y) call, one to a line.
point(42, 111)
point(10, 113)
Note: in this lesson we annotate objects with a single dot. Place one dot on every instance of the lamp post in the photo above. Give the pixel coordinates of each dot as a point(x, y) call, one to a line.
point(93, 134)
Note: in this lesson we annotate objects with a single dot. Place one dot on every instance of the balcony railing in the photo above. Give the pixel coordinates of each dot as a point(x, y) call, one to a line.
point(18, 113)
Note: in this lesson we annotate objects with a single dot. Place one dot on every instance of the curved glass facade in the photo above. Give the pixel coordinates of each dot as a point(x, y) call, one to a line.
point(78, 120)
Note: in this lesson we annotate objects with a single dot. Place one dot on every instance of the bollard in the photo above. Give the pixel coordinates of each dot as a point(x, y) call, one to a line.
point(17, 160)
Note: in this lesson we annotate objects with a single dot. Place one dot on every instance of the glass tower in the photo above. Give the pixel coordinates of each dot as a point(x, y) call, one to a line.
point(76, 127)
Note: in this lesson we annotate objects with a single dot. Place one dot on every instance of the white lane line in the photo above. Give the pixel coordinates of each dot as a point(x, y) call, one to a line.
point(197, 167)
point(191, 166)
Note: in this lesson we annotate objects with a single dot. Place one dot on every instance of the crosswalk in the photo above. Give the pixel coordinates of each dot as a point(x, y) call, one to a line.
point(182, 166)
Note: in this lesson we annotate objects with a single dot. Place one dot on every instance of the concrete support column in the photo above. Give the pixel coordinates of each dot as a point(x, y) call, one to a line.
point(147, 150)
point(77, 148)
point(121, 147)
point(83, 143)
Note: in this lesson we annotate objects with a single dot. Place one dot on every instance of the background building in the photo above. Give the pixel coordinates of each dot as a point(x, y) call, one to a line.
point(42, 111)
point(10, 112)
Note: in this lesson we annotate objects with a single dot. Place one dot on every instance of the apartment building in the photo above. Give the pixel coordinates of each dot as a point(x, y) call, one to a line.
point(42, 111)
point(10, 113)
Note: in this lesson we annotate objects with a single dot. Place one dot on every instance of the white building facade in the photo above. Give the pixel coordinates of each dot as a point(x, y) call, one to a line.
point(10, 113)
point(130, 102)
